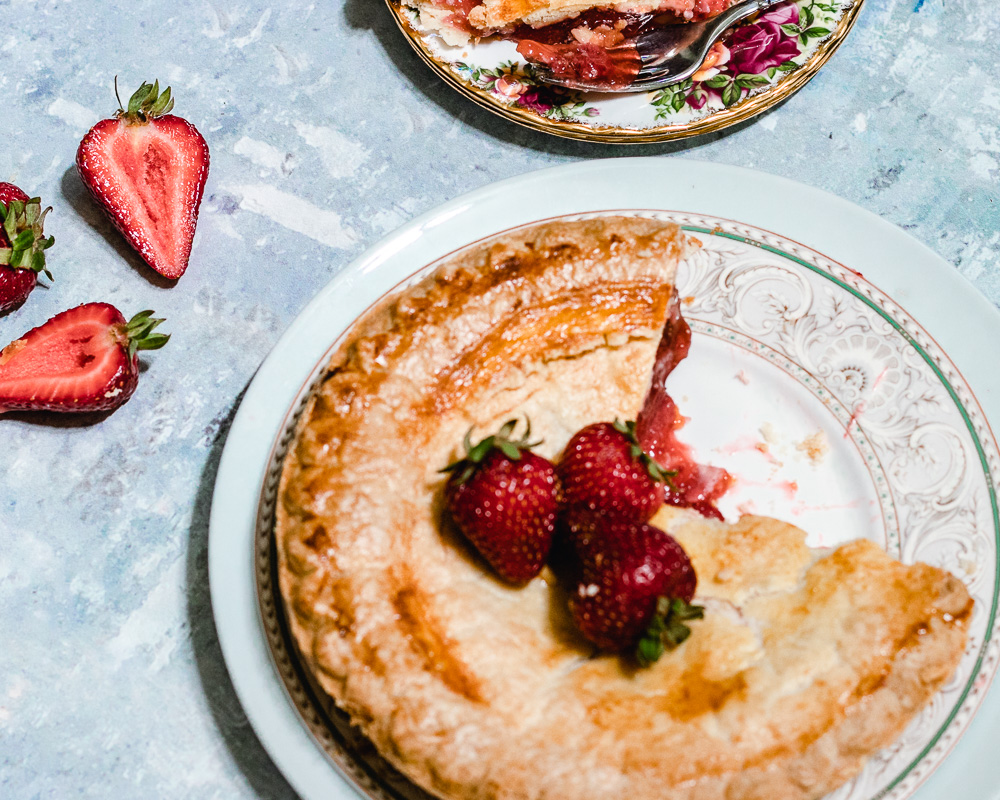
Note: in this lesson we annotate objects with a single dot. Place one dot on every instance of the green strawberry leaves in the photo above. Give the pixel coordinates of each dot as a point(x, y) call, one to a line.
point(23, 223)
point(145, 104)
point(655, 471)
point(140, 336)
point(667, 629)
point(475, 454)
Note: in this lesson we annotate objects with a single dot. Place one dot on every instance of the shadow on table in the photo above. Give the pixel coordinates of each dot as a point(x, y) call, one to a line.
point(376, 17)
point(246, 750)
point(79, 199)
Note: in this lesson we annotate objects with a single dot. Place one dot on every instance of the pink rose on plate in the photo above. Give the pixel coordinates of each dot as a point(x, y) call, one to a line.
point(785, 14)
point(757, 47)
point(510, 87)
point(697, 99)
point(533, 101)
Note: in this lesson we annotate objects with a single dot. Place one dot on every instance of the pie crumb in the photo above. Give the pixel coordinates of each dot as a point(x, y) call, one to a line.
point(815, 446)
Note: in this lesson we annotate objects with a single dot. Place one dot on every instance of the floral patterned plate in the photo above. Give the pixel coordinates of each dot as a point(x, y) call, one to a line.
point(842, 394)
point(758, 64)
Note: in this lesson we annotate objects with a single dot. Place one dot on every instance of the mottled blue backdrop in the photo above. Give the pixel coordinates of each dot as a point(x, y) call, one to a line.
point(326, 132)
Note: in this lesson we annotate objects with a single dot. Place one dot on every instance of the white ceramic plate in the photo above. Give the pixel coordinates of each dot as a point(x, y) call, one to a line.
point(814, 322)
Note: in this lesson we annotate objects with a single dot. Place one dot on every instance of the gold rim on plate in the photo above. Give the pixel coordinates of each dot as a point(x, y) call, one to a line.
point(745, 109)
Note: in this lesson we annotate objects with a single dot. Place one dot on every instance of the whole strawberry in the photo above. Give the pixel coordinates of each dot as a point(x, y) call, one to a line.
point(22, 245)
point(605, 471)
point(147, 169)
point(635, 589)
point(84, 359)
point(504, 499)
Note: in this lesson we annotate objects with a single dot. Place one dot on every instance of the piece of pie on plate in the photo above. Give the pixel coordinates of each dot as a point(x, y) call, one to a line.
point(806, 661)
point(592, 41)
point(471, 18)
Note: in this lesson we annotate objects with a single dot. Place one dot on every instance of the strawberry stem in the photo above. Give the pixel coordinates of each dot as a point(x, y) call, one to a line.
point(23, 222)
point(654, 470)
point(145, 104)
point(476, 453)
point(667, 629)
point(138, 333)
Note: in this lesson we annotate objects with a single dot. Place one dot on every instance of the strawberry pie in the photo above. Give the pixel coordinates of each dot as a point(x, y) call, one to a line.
point(560, 612)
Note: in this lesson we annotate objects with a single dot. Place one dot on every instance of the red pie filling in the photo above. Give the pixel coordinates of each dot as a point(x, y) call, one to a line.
point(695, 485)
point(459, 19)
point(597, 47)
point(585, 62)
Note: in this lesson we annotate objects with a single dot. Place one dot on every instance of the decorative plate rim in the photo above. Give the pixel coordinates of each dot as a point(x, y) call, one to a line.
point(241, 631)
point(745, 109)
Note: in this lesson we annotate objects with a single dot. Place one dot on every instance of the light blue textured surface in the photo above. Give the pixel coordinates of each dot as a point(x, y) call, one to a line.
point(326, 132)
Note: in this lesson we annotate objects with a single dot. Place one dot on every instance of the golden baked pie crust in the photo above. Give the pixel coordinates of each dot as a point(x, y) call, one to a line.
point(493, 15)
point(805, 664)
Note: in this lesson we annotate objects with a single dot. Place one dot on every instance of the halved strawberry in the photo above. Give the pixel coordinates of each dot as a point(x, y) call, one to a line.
point(148, 170)
point(22, 245)
point(84, 359)
point(636, 586)
point(505, 499)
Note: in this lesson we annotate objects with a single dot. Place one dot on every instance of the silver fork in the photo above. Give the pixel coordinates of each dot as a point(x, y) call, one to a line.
point(669, 54)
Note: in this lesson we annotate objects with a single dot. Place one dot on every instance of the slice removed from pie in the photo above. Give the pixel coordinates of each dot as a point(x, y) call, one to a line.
point(805, 663)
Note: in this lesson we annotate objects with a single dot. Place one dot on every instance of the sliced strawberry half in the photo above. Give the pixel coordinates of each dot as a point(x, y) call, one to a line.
point(22, 245)
point(147, 169)
point(84, 359)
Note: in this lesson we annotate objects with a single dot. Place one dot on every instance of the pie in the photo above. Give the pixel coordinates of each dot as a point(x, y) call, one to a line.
point(473, 18)
point(806, 661)
point(592, 42)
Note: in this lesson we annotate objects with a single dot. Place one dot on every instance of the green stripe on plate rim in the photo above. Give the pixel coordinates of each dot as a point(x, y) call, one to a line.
point(979, 449)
